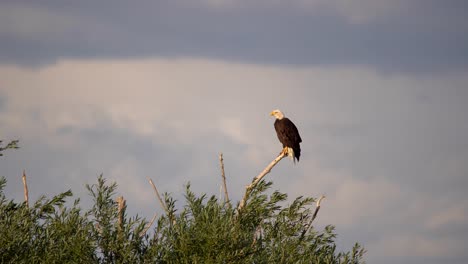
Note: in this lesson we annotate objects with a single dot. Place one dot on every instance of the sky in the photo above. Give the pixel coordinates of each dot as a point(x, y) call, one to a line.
point(377, 88)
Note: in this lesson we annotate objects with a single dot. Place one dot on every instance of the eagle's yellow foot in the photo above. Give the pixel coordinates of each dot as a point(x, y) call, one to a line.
point(284, 151)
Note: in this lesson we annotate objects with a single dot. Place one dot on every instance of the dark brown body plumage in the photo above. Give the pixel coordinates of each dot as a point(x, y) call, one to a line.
point(288, 135)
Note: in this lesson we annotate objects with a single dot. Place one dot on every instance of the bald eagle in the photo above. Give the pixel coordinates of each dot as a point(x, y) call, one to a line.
point(288, 135)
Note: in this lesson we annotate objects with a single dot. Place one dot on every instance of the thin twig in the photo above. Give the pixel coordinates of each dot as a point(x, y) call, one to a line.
point(25, 185)
point(223, 175)
point(143, 232)
point(158, 196)
point(317, 208)
point(250, 187)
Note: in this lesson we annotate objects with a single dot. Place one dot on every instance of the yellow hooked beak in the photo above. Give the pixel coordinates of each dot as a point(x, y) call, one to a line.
point(272, 113)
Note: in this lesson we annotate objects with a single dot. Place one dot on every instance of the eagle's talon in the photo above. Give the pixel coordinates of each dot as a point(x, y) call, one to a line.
point(284, 151)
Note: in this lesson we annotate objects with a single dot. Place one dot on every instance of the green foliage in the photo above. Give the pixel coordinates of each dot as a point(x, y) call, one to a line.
point(116, 242)
point(47, 232)
point(11, 145)
point(203, 230)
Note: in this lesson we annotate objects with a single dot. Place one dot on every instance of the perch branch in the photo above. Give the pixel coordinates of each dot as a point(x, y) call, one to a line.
point(317, 208)
point(250, 187)
point(223, 175)
point(25, 185)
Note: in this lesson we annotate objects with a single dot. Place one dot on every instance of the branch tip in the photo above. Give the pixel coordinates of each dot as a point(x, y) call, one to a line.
point(25, 187)
point(320, 200)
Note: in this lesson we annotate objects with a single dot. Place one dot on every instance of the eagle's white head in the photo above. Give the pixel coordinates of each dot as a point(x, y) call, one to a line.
point(277, 114)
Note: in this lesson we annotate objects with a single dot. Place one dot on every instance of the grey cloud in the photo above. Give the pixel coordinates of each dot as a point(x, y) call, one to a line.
point(419, 37)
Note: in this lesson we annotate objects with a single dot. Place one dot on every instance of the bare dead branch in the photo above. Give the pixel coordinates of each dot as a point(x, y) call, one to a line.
point(163, 205)
point(121, 204)
point(25, 185)
point(223, 175)
point(250, 187)
point(317, 208)
point(143, 232)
